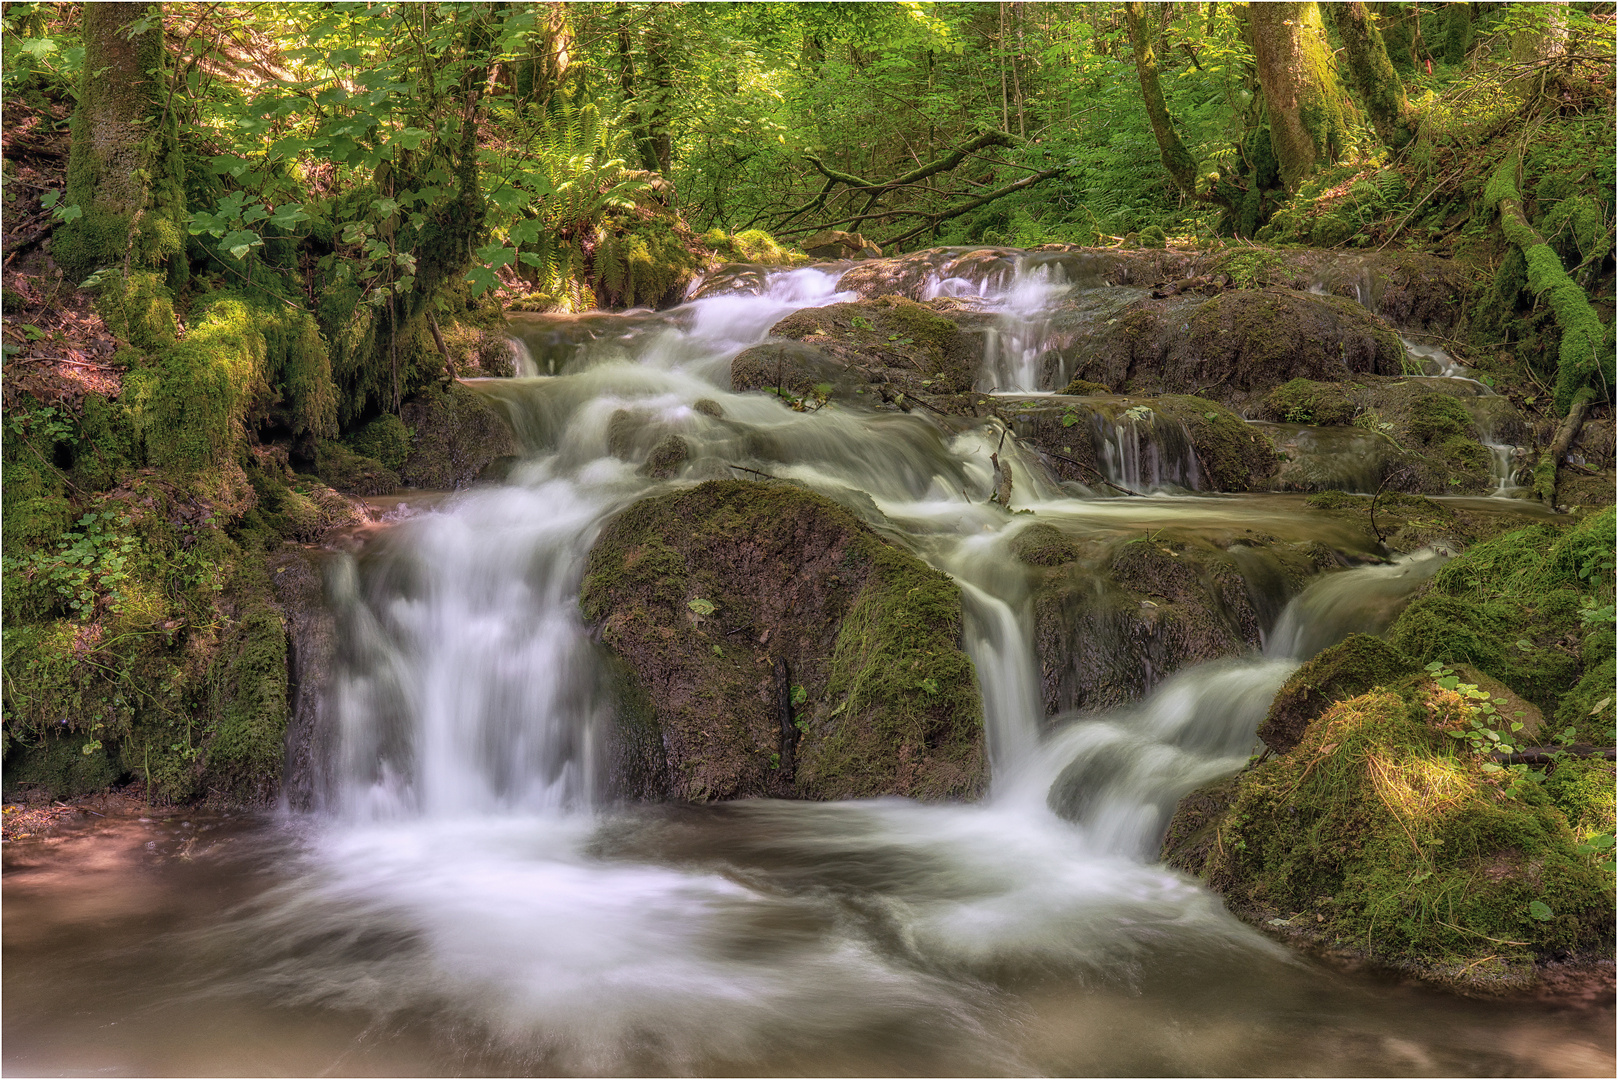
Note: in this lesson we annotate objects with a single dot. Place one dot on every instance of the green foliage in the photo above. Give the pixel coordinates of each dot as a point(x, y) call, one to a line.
point(385, 439)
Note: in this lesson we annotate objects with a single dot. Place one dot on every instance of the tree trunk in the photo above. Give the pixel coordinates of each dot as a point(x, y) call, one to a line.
point(1371, 70)
point(123, 170)
point(1181, 166)
point(1307, 128)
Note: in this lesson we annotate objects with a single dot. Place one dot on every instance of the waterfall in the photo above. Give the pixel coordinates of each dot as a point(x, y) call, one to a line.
point(466, 821)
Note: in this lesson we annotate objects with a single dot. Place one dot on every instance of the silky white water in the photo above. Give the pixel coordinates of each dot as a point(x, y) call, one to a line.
point(466, 876)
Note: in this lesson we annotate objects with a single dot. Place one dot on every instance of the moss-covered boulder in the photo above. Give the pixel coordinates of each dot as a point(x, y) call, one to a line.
point(1186, 441)
point(1382, 838)
point(889, 350)
point(456, 436)
point(771, 644)
point(1357, 664)
point(1233, 347)
point(356, 474)
point(1420, 434)
point(1531, 608)
point(1114, 618)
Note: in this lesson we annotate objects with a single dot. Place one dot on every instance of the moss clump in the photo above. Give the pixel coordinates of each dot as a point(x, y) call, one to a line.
point(1518, 608)
point(703, 593)
point(354, 473)
point(1152, 236)
point(1302, 401)
point(1382, 835)
point(752, 246)
point(1584, 790)
point(1043, 545)
point(385, 439)
point(245, 753)
point(1358, 664)
point(1085, 388)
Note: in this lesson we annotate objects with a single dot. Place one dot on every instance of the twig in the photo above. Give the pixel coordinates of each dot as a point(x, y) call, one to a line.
point(1092, 469)
point(755, 472)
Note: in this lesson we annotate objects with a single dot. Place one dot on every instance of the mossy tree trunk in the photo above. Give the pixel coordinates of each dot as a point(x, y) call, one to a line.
point(123, 169)
point(1586, 350)
point(1182, 167)
point(549, 62)
point(1371, 71)
point(1305, 103)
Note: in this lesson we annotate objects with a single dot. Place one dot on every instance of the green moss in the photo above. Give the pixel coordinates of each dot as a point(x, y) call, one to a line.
point(1435, 418)
point(901, 686)
point(1357, 664)
point(1043, 545)
point(244, 755)
point(1085, 388)
point(1583, 789)
point(1512, 604)
point(1302, 401)
point(1381, 834)
point(356, 474)
point(1152, 236)
point(1233, 454)
point(139, 310)
point(386, 439)
point(62, 765)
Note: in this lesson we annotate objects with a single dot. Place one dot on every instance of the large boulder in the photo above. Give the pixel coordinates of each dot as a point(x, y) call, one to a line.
point(889, 350)
point(770, 644)
point(456, 436)
point(1114, 618)
point(1185, 441)
point(1233, 347)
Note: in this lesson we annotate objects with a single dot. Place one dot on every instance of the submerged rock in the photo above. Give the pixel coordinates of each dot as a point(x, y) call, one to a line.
point(771, 644)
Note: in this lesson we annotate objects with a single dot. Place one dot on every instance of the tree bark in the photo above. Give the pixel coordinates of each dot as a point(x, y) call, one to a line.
point(1304, 102)
point(1181, 166)
point(123, 169)
point(1371, 70)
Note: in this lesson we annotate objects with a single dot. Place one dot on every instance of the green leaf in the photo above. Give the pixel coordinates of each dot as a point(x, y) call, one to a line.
point(1449, 682)
point(701, 606)
point(1540, 910)
point(288, 216)
point(240, 242)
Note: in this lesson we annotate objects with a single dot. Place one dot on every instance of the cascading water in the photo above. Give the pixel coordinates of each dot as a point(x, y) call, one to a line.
point(469, 875)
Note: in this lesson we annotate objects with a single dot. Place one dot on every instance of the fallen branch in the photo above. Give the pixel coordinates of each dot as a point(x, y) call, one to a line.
point(1091, 469)
point(970, 205)
point(755, 472)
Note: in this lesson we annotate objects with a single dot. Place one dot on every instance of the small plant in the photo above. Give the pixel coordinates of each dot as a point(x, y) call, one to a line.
point(1478, 723)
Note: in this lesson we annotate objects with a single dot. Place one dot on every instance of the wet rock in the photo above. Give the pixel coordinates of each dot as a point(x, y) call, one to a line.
point(885, 350)
point(297, 577)
point(456, 435)
point(1421, 435)
point(1119, 618)
point(700, 593)
point(1358, 664)
point(1194, 830)
point(1143, 442)
point(352, 473)
point(928, 273)
point(666, 458)
point(1232, 348)
point(708, 407)
point(836, 244)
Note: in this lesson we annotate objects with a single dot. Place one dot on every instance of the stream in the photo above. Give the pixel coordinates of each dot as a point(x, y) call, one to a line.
point(467, 896)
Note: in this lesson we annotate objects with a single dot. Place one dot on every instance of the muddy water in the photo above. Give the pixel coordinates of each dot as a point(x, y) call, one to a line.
point(466, 899)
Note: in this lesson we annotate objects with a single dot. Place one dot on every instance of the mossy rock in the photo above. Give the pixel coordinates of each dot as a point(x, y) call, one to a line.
point(1380, 837)
point(1358, 664)
point(700, 593)
point(1043, 545)
point(1234, 347)
point(63, 766)
point(1084, 388)
point(1514, 607)
point(385, 439)
point(666, 458)
point(353, 473)
point(1303, 401)
point(909, 350)
point(457, 434)
point(1126, 615)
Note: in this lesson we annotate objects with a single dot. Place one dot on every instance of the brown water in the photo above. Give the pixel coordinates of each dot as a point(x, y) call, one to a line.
point(135, 948)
